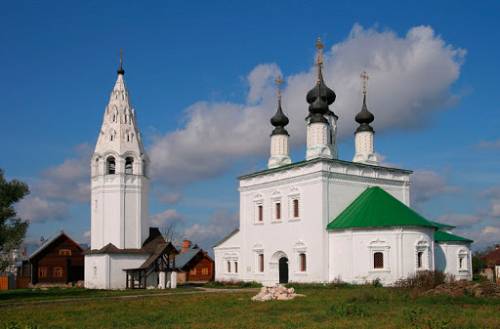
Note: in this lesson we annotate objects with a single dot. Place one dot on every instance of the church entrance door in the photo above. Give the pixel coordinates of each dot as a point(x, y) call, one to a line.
point(283, 270)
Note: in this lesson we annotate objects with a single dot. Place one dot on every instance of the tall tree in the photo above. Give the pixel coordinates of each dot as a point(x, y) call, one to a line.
point(12, 228)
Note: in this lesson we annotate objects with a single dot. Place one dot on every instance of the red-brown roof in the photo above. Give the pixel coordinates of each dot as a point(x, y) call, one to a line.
point(493, 257)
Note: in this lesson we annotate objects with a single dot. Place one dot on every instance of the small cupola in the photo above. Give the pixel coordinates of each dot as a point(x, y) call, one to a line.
point(279, 119)
point(364, 117)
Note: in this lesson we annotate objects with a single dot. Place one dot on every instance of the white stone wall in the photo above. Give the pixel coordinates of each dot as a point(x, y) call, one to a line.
point(364, 149)
point(351, 254)
point(447, 259)
point(229, 251)
point(279, 151)
point(107, 271)
point(323, 188)
point(318, 141)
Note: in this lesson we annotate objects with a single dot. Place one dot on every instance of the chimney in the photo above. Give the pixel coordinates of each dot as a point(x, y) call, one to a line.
point(186, 245)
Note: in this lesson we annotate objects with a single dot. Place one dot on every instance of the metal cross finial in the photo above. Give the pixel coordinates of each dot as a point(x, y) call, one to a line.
point(121, 57)
point(319, 47)
point(364, 76)
point(278, 81)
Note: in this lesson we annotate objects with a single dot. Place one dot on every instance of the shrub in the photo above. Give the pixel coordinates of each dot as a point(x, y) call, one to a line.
point(422, 280)
point(233, 284)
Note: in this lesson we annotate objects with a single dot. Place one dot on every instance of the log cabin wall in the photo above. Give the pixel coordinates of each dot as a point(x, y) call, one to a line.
point(201, 268)
point(61, 261)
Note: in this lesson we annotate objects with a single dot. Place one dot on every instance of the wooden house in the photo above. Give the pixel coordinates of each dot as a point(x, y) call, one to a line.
point(59, 260)
point(193, 264)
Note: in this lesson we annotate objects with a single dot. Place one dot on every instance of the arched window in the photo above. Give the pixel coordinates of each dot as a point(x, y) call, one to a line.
point(420, 258)
point(110, 166)
point(129, 164)
point(235, 267)
point(302, 261)
point(378, 260)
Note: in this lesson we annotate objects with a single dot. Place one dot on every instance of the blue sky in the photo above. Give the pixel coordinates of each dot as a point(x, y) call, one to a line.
point(58, 64)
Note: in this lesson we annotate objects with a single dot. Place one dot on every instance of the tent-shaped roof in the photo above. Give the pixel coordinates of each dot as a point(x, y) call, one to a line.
point(441, 236)
point(377, 208)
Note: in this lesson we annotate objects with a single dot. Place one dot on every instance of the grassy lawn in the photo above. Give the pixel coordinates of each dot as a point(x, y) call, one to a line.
point(330, 307)
point(31, 295)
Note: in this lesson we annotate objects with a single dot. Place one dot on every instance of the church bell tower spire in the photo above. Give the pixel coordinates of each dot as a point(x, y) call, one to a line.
point(279, 136)
point(363, 137)
point(119, 180)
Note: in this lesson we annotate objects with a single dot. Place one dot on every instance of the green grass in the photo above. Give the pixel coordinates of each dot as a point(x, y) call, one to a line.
point(30, 295)
point(323, 307)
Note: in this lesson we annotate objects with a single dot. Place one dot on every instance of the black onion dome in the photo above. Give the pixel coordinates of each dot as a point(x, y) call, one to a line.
point(364, 118)
point(322, 90)
point(279, 121)
point(317, 110)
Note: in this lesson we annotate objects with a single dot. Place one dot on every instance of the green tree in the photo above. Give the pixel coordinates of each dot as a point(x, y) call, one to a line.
point(12, 228)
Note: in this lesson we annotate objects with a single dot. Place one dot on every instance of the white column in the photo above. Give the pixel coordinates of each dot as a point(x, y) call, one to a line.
point(173, 280)
point(162, 278)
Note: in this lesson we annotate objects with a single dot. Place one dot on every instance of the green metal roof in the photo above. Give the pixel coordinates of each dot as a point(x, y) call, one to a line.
point(377, 208)
point(441, 236)
point(443, 226)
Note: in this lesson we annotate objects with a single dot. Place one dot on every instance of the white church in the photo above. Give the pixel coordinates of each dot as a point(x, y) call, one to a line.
point(324, 219)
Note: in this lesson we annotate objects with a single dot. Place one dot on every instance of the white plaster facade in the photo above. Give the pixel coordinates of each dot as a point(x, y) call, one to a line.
point(279, 151)
point(364, 149)
point(455, 259)
point(119, 195)
point(323, 188)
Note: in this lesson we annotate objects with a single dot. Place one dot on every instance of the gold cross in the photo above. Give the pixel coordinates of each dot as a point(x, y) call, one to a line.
point(319, 47)
point(278, 81)
point(364, 76)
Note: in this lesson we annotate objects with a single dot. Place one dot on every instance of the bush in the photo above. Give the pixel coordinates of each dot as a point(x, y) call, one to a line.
point(422, 280)
point(232, 284)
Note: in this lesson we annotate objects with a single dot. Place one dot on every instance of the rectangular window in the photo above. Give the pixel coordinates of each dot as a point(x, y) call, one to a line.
point(295, 208)
point(261, 262)
point(228, 267)
point(260, 213)
point(461, 262)
point(303, 265)
point(235, 267)
point(378, 260)
point(277, 206)
point(42, 272)
point(64, 252)
point(193, 271)
point(420, 256)
point(204, 271)
point(57, 272)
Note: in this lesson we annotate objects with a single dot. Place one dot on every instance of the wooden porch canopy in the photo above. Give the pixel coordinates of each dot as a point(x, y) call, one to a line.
point(162, 259)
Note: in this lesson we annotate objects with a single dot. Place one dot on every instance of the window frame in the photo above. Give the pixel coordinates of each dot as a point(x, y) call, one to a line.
point(374, 260)
point(302, 262)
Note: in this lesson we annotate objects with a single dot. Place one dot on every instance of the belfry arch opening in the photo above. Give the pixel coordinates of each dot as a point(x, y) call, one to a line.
point(110, 166)
point(129, 165)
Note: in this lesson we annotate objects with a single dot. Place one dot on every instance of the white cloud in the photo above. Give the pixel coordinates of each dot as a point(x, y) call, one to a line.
point(495, 144)
point(166, 217)
point(427, 184)
point(169, 198)
point(491, 230)
point(459, 220)
point(36, 209)
point(410, 79)
point(68, 181)
point(217, 227)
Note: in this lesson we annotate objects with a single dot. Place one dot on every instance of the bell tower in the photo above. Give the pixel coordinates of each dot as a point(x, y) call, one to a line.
point(119, 177)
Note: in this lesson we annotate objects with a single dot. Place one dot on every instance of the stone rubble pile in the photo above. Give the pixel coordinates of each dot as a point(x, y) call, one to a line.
point(277, 292)
point(460, 288)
